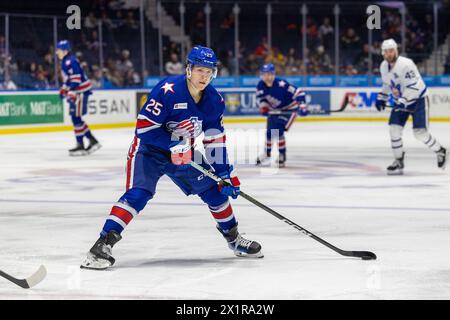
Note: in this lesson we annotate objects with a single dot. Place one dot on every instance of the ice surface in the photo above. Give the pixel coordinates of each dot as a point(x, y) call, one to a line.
point(52, 208)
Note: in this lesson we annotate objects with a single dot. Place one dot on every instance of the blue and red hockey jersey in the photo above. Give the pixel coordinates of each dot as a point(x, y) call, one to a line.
point(170, 114)
point(280, 97)
point(75, 78)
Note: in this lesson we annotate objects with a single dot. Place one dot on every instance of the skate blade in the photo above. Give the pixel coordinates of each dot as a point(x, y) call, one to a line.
point(92, 263)
point(447, 154)
point(395, 173)
point(257, 255)
point(261, 162)
point(78, 153)
point(94, 148)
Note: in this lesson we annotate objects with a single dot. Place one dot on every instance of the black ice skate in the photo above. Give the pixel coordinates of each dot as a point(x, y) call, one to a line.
point(396, 168)
point(100, 256)
point(442, 156)
point(281, 160)
point(262, 159)
point(94, 145)
point(241, 246)
point(79, 150)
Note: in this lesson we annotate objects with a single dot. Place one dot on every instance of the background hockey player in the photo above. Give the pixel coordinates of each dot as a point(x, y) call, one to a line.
point(402, 79)
point(76, 89)
point(280, 102)
point(177, 111)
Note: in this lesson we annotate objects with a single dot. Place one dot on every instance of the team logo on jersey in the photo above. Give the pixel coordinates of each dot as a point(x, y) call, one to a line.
point(189, 128)
point(182, 105)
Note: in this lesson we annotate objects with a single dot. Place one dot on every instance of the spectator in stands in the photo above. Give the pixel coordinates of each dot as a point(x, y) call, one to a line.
point(90, 21)
point(131, 22)
point(124, 64)
point(350, 70)
point(312, 32)
point(326, 34)
point(362, 60)
point(8, 84)
point(174, 66)
point(96, 77)
point(322, 60)
point(228, 22)
point(350, 40)
point(132, 79)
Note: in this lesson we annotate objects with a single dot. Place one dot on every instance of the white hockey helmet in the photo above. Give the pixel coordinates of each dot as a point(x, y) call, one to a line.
point(388, 44)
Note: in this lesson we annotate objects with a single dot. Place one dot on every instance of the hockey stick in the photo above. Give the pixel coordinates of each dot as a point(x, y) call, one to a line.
point(365, 255)
point(346, 100)
point(343, 105)
point(29, 282)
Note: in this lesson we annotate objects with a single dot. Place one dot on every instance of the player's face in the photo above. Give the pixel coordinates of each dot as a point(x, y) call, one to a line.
point(201, 77)
point(390, 55)
point(60, 53)
point(268, 78)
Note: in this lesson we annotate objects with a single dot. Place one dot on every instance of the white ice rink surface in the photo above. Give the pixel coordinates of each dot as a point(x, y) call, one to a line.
point(52, 208)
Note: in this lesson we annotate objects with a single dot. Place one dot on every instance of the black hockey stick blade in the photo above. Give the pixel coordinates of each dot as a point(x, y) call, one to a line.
point(364, 255)
point(29, 282)
point(343, 105)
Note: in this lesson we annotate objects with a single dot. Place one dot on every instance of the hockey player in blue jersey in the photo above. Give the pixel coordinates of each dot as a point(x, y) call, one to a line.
point(177, 111)
point(280, 102)
point(76, 89)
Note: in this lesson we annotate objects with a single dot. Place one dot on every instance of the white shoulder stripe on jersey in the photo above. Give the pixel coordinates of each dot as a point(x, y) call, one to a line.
point(142, 117)
point(144, 130)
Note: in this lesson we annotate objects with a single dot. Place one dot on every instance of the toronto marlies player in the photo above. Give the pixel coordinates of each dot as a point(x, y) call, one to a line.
point(178, 110)
point(280, 102)
point(76, 89)
point(402, 79)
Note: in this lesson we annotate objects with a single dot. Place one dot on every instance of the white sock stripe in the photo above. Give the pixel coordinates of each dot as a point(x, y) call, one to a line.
point(226, 219)
point(220, 207)
point(118, 220)
point(127, 208)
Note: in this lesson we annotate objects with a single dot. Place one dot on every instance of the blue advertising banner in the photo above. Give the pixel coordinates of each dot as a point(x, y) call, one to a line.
point(310, 81)
point(242, 101)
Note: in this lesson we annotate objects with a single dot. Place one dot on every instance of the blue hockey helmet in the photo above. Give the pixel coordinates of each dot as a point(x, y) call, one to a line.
point(267, 68)
point(63, 45)
point(202, 56)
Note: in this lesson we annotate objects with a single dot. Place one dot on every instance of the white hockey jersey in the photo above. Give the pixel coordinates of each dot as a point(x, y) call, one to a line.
point(403, 80)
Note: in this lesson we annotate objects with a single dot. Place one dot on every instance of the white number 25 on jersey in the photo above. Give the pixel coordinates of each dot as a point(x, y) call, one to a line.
point(153, 107)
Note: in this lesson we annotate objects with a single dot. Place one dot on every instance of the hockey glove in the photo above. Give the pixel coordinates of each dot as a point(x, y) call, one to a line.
point(400, 105)
point(264, 110)
point(233, 189)
point(380, 103)
point(181, 152)
point(303, 110)
point(301, 99)
point(71, 97)
point(63, 92)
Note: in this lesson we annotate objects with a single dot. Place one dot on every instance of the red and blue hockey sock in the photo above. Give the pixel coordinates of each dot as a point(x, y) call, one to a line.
point(81, 129)
point(223, 214)
point(128, 206)
point(282, 146)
